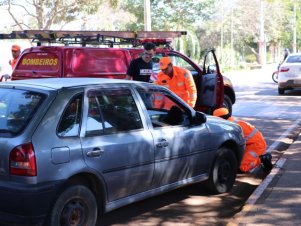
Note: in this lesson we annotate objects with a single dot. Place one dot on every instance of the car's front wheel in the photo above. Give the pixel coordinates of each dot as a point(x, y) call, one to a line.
point(227, 103)
point(75, 206)
point(223, 172)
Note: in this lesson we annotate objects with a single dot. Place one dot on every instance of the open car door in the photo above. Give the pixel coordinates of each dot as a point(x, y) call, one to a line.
point(210, 85)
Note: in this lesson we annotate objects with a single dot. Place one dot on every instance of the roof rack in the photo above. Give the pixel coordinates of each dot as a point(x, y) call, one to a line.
point(84, 38)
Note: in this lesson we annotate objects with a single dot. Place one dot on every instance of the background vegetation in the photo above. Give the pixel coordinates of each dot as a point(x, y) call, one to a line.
point(230, 26)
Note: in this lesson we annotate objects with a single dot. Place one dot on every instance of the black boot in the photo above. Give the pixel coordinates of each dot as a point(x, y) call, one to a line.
point(266, 161)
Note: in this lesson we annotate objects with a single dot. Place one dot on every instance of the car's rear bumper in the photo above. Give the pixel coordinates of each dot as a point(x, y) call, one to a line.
point(27, 204)
point(290, 84)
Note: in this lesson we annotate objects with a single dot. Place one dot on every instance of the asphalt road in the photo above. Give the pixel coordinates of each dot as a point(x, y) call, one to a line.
point(277, 117)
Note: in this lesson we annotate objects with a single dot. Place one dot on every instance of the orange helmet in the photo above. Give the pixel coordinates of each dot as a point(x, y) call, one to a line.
point(15, 48)
point(221, 112)
point(164, 62)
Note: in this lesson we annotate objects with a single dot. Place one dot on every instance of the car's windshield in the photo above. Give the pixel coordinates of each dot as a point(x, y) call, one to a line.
point(16, 109)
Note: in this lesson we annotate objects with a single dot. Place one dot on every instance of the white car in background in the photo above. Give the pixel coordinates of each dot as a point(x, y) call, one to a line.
point(289, 76)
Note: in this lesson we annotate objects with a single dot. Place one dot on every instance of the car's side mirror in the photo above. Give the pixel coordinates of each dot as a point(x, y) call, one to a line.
point(199, 118)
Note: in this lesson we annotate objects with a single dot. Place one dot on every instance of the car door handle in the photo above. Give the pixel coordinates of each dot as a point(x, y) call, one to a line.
point(162, 143)
point(96, 152)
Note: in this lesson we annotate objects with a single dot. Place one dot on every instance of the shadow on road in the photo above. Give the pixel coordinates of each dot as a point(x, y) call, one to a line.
point(193, 205)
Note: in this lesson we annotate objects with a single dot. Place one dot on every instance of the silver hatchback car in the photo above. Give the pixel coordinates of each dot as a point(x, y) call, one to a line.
point(72, 148)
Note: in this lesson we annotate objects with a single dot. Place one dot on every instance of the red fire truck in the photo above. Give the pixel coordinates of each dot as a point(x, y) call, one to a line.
point(107, 54)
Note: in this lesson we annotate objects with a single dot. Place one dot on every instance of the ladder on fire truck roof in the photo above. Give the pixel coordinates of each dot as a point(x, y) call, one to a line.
point(83, 38)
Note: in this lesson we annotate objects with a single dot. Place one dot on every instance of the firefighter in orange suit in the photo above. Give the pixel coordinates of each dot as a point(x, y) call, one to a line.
point(254, 154)
point(178, 80)
point(16, 50)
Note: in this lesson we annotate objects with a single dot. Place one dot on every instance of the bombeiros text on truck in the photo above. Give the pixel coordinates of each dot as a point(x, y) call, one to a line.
point(107, 54)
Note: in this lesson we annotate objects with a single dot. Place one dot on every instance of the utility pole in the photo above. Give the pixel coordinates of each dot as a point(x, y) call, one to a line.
point(222, 35)
point(232, 41)
point(261, 43)
point(294, 29)
point(147, 16)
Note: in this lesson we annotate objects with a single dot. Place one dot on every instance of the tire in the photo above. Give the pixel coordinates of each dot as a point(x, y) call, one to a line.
point(281, 91)
point(227, 103)
point(275, 76)
point(223, 172)
point(76, 206)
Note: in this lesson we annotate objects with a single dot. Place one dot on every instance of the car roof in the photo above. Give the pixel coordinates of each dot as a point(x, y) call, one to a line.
point(59, 83)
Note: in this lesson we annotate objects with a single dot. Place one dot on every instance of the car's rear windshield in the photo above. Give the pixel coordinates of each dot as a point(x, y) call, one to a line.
point(294, 59)
point(17, 107)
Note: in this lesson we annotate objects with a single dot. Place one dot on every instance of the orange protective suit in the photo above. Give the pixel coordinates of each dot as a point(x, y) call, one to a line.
point(181, 83)
point(255, 145)
point(162, 102)
point(13, 63)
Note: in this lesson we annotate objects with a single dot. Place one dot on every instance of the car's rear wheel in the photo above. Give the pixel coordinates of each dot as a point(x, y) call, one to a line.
point(281, 91)
point(223, 172)
point(75, 206)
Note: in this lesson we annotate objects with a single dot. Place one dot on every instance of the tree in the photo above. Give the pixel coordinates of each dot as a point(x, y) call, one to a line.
point(240, 21)
point(44, 14)
point(278, 15)
point(109, 19)
point(232, 25)
point(177, 14)
point(173, 15)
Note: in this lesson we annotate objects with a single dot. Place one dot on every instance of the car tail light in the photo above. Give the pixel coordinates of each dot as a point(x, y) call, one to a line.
point(22, 161)
point(284, 69)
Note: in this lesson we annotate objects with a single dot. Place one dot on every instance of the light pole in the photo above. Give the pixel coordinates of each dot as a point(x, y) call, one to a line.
point(147, 16)
point(222, 35)
point(232, 41)
point(294, 29)
point(262, 44)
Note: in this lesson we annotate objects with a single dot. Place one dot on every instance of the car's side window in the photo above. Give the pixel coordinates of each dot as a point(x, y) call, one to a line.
point(162, 109)
point(180, 62)
point(70, 121)
point(210, 65)
point(94, 124)
point(112, 110)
